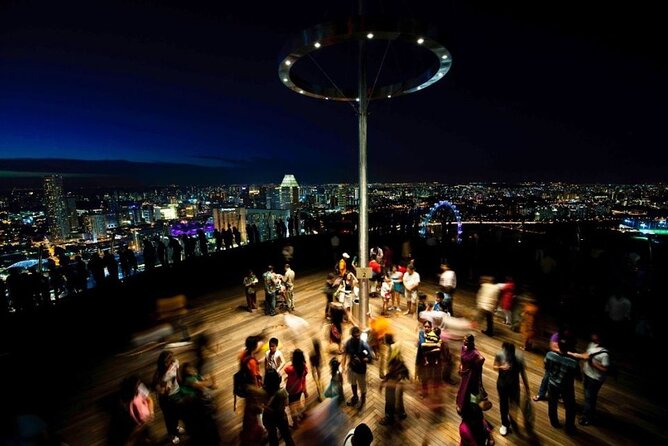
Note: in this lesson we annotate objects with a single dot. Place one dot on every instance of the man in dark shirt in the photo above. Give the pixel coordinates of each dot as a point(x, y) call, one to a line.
point(561, 370)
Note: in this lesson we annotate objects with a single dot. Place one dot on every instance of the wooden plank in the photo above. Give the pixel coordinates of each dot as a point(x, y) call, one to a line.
point(432, 421)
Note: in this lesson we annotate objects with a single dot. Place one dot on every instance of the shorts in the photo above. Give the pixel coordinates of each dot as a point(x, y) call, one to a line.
point(412, 296)
point(398, 287)
point(357, 379)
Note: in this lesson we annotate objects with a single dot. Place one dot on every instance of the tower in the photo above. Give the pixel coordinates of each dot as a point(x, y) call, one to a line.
point(56, 208)
point(288, 192)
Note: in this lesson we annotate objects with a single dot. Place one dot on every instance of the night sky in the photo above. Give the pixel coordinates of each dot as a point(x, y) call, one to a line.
point(156, 92)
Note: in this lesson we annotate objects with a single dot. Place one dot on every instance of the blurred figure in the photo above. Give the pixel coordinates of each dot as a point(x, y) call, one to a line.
point(486, 302)
point(528, 320)
point(137, 409)
point(618, 309)
point(474, 430)
point(167, 384)
point(315, 359)
point(199, 407)
point(274, 416)
point(335, 387)
point(357, 354)
point(295, 384)
point(251, 431)
point(392, 381)
point(507, 296)
point(448, 283)
point(510, 367)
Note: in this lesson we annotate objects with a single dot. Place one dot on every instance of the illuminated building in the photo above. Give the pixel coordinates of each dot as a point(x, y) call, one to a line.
point(56, 209)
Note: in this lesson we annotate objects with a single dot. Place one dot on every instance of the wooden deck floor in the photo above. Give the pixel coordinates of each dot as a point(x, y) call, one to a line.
point(83, 420)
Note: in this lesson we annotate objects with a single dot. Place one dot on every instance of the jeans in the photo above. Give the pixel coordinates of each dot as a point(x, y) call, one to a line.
point(591, 388)
point(270, 303)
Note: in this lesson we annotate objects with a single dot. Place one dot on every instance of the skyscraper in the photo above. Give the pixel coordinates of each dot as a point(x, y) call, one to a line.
point(56, 208)
point(288, 192)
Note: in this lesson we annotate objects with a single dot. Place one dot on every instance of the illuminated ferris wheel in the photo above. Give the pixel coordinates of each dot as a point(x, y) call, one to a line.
point(439, 221)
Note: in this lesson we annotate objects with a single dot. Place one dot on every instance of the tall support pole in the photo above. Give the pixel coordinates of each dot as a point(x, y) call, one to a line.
point(363, 228)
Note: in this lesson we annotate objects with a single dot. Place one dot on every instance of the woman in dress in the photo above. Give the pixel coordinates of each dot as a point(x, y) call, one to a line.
point(470, 369)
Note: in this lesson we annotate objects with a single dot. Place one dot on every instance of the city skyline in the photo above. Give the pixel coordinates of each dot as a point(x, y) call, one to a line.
point(144, 94)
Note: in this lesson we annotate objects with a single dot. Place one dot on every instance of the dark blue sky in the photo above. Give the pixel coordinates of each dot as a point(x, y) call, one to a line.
point(188, 92)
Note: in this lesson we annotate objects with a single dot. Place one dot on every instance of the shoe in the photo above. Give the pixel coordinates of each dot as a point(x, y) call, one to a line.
point(403, 415)
point(538, 398)
point(386, 421)
point(585, 422)
point(503, 431)
point(180, 430)
point(353, 402)
point(176, 440)
point(556, 425)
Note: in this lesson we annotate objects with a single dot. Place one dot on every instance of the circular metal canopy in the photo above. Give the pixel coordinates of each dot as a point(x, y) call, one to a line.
point(358, 29)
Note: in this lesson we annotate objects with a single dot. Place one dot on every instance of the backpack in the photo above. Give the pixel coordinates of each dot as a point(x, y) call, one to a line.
point(139, 410)
point(613, 370)
point(240, 381)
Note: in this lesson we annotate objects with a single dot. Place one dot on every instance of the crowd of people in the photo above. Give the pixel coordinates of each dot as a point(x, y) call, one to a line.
point(274, 387)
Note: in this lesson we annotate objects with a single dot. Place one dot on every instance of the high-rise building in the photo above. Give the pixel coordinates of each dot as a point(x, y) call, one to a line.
point(56, 208)
point(288, 192)
point(96, 227)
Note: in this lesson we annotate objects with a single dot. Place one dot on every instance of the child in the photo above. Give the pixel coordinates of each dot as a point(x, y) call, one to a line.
point(422, 304)
point(335, 387)
point(273, 359)
point(386, 292)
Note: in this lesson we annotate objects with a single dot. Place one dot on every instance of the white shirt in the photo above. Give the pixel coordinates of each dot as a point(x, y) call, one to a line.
point(289, 277)
point(602, 358)
point(411, 281)
point(275, 361)
point(448, 278)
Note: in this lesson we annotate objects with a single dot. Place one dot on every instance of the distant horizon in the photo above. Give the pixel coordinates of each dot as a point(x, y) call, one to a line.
point(21, 172)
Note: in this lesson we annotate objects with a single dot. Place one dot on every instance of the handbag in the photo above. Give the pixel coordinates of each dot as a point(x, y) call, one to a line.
point(482, 399)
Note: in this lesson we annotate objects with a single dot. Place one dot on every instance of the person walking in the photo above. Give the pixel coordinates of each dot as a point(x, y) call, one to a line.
point(393, 382)
point(357, 354)
point(510, 366)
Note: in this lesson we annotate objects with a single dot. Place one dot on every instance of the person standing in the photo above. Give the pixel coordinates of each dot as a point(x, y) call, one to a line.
point(448, 283)
point(470, 369)
point(273, 358)
point(561, 370)
point(594, 370)
point(166, 381)
point(250, 280)
point(411, 282)
point(510, 366)
point(269, 291)
point(356, 355)
point(289, 280)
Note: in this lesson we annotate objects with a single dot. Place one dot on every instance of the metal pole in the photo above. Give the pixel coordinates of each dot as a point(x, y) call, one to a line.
point(363, 307)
